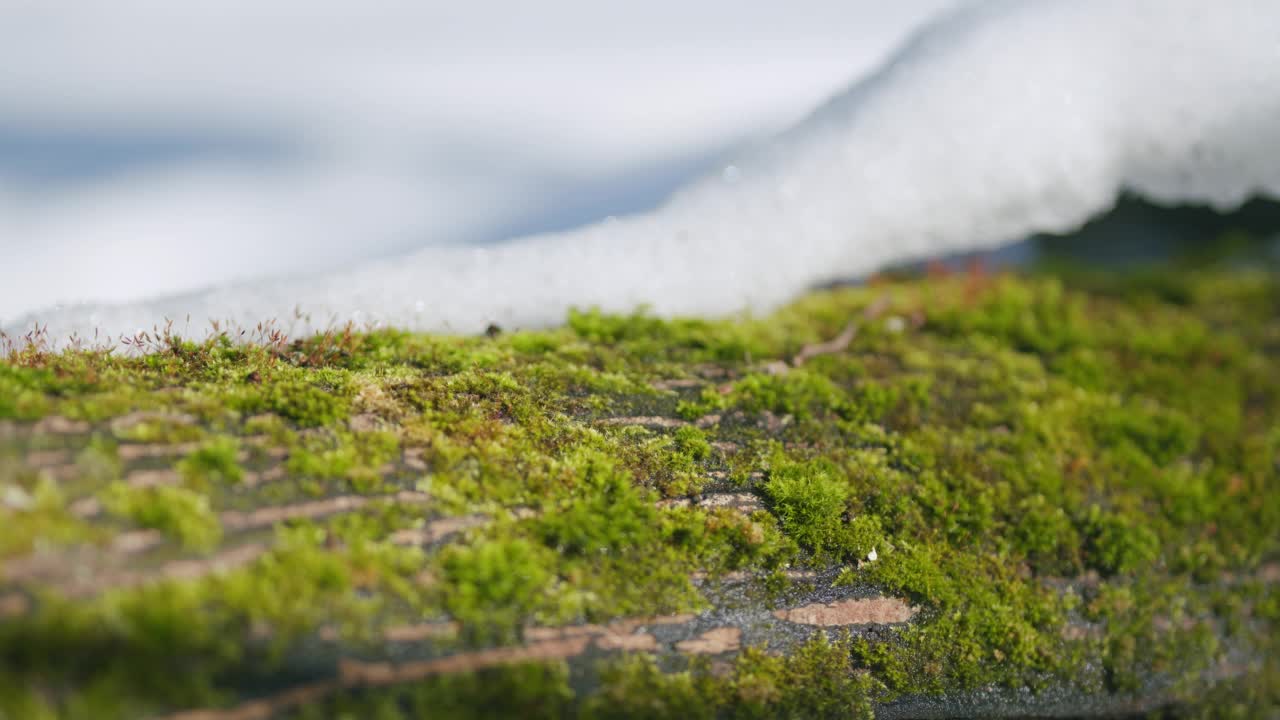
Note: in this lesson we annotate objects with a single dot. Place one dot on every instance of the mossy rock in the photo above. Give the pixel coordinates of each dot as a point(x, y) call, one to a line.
point(928, 497)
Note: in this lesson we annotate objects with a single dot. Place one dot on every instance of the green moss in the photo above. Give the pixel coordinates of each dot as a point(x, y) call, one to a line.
point(308, 404)
point(495, 587)
point(21, 396)
point(799, 393)
point(344, 574)
point(606, 514)
point(1025, 454)
point(354, 456)
point(636, 687)
point(1119, 543)
point(667, 463)
point(124, 652)
point(607, 530)
point(692, 443)
point(646, 337)
point(178, 512)
point(214, 462)
point(809, 501)
point(113, 656)
point(1048, 538)
point(1163, 436)
point(533, 691)
point(816, 681)
point(96, 465)
point(169, 431)
point(39, 518)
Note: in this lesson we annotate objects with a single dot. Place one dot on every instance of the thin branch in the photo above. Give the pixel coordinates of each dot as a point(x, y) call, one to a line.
point(841, 342)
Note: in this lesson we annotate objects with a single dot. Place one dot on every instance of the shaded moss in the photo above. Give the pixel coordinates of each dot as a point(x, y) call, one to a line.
point(816, 681)
point(532, 691)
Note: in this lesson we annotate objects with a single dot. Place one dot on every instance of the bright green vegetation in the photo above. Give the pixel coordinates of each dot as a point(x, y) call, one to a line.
point(816, 681)
point(176, 511)
point(1076, 481)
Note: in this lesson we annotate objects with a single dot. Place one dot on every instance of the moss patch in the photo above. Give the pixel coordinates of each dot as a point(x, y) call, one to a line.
point(1075, 481)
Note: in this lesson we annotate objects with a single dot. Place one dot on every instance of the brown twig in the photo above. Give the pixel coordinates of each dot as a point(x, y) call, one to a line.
point(841, 342)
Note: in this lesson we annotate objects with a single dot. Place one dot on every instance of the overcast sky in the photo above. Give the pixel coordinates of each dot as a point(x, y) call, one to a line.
point(149, 147)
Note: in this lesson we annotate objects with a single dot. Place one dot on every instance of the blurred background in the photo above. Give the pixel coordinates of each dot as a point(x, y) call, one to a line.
point(150, 147)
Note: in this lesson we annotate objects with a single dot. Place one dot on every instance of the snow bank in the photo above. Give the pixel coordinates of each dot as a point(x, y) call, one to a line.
point(995, 121)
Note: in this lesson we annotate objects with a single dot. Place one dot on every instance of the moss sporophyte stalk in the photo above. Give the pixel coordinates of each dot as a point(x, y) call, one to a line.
point(998, 495)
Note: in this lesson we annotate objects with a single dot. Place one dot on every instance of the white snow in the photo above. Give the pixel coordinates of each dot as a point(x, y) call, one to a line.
point(246, 139)
point(1003, 118)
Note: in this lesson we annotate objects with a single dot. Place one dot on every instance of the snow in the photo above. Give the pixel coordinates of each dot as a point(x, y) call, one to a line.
point(994, 121)
point(149, 149)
